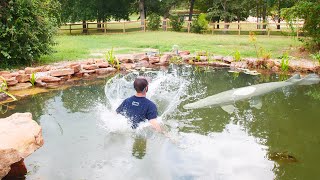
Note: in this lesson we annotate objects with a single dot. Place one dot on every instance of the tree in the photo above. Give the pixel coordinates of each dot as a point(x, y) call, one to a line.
point(26, 30)
point(309, 11)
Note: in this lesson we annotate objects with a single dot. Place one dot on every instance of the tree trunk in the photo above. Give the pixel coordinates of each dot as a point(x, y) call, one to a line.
point(258, 27)
point(191, 9)
point(279, 11)
point(142, 13)
point(84, 27)
point(218, 26)
point(264, 14)
point(99, 24)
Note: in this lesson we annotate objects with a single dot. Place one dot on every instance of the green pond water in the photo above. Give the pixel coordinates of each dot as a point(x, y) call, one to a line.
point(85, 139)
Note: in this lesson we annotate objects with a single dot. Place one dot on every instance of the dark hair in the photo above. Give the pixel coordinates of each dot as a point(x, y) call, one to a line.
point(140, 84)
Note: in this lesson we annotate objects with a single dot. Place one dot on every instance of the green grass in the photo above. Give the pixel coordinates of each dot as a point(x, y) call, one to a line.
point(84, 46)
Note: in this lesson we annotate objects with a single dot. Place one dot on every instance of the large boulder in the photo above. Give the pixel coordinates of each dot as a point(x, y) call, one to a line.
point(19, 136)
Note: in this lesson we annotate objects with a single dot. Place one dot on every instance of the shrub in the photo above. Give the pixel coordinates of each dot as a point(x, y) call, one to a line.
point(176, 23)
point(285, 62)
point(26, 30)
point(154, 22)
point(237, 55)
point(200, 24)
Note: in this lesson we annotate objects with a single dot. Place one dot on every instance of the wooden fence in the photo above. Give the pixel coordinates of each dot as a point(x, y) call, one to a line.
point(129, 26)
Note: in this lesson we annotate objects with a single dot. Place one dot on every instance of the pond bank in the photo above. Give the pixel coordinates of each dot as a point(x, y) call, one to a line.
point(57, 75)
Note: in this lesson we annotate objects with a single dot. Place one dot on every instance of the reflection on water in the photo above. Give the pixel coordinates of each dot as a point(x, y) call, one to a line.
point(85, 139)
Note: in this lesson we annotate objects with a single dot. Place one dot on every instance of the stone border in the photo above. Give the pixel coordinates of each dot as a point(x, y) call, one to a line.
point(58, 74)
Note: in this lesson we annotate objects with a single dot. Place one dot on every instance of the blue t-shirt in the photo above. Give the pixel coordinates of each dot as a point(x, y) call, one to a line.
point(138, 109)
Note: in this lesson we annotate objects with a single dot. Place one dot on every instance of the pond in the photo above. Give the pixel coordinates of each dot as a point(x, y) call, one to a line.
point(85, 139)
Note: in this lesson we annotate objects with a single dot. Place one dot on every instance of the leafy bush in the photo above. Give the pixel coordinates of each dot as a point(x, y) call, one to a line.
point(176, 23)
point(309, 12)
point(200, 24)
point(26, 30)
point(154, 22)
point(284, 64)
point(112, 60)
point(237, 56)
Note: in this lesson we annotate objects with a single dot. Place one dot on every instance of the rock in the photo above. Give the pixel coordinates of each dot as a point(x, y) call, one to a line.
point(18, 170)
point(87, 71)
point(127, 66)
point(140, 57)
point(275, 69)
point(227, 59)
point(165, 59)
point(125, 58)
point(3, 96)
point(21, 78)
point(49, 79)
point(154, 59)
point(30, 70)
point(14, 74)
point(19, 136)
point(186, 58)
point(219, 64)
point(142, 64)
point(184, 53)
point(61, 72)
point(4, 72)
point(76, 68)
point(53, 85)
point(201, 63)
point(239, 64)
point(12, 81)
point(90, 67)
point(21, 72)
point(103, 64)
point(97, 61)
point(20, 86)
point(105, 70)
point(39, 83)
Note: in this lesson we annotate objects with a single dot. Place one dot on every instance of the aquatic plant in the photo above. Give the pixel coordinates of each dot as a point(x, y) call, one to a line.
point(237, 56)
point(314, 93)
point(284, 64)
point(33, 79)
point(112, 60)
point(176, 60)
point(264, 54)
point(4, 87)
point(253, 40)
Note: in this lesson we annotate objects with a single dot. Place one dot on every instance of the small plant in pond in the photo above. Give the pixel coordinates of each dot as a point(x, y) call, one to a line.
point(284, 64)
point(264, 54)
point(237, 56)
point(4, 87)
point(176, 60)
point(154, 22)
point(112, 60)
point(253, 40)
point(33, 79)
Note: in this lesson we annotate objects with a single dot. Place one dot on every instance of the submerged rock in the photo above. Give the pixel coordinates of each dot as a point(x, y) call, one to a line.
point(19, 136)
point(282, 157)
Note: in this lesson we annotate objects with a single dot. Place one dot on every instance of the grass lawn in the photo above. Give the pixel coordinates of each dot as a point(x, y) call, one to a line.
point(86, 46)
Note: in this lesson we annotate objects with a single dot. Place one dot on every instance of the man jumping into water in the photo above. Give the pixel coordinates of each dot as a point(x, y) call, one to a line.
point(138, 108)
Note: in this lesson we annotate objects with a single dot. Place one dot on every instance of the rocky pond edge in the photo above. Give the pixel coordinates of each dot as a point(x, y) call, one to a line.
point(33, 80)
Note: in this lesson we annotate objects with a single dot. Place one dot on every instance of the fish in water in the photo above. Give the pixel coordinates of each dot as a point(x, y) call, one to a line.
point(226, 99)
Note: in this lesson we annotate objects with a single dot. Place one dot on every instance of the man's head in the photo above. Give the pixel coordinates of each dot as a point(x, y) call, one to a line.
point(140, 85)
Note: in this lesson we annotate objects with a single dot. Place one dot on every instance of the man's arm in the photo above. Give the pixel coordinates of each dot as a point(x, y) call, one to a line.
point(155, 125)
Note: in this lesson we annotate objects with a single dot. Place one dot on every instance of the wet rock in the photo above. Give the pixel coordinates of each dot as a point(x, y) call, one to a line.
point(3, 96)
point(219, 64)
point(20, 86)
point(105, 70)
point(53, 85)
point(239, 64)
point(19, 136)
point(61, 72)
point(88, 71)
point(21, 78)
point(103, 64)
point(90, 67)
point(12, 81)
point(17, 171)
point(39, 83)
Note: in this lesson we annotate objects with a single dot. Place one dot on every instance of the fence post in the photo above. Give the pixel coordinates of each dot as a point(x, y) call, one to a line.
point(188, 26)
point(212, 27)
point(70, 28)
point(105, 27)
point(166, 24)
point(87, 28)
point(124, 27)
point(239, 29)
point(144, 25)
